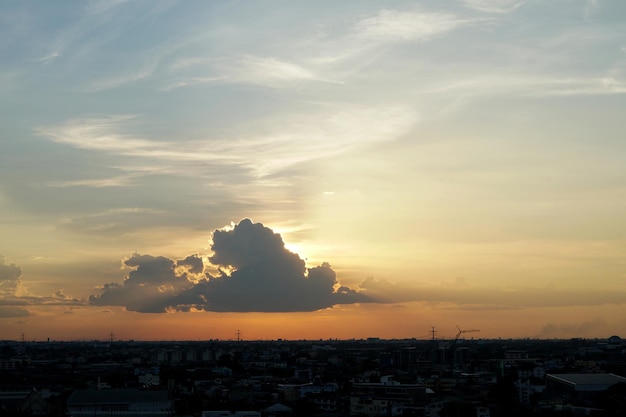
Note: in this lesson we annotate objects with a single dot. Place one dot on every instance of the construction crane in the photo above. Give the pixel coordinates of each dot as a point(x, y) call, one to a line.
point(458, 335)
point(456, 339)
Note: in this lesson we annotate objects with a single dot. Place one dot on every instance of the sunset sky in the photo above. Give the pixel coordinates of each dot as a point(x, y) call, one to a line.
point(304, 170)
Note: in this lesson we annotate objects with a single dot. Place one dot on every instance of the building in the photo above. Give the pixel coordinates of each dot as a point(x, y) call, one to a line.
point(28, 402)
point(277, 410)
point(119, 402)
point(388, 397)
point(225, 413)
point(526, 388)
point(576, 387)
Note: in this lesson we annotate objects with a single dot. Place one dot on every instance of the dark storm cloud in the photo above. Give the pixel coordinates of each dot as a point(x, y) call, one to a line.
point(255, 273)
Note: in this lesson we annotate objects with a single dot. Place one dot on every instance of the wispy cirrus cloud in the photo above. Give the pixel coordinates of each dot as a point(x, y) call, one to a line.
point(69, 39)
point(102, 6)
point(181, 82)
point(317, 60)
point(50, 57)
point(371, 34)
point(397, 26)
point(130, 77)
point(591, 6)
point(117, 212)
point(524, 85)
point(582, 87)
point(116, 220)
point(117, 181)
point(495, 6)
point(266, 71)
point(496, 297)
point(302, 138)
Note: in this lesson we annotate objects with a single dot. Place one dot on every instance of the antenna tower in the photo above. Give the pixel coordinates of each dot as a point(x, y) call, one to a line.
point(433, 332)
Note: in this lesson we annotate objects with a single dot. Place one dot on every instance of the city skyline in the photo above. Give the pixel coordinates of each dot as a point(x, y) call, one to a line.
point(181, 170)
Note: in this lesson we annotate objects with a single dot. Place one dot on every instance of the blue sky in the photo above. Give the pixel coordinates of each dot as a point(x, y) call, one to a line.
point(422, 145)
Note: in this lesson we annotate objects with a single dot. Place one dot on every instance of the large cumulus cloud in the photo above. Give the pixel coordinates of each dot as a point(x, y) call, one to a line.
point(255, 273)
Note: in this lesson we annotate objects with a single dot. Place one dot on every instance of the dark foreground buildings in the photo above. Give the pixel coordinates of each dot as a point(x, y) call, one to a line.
point(478, 378)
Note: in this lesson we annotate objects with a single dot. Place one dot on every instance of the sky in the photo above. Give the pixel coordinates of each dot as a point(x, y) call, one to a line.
point(187, 170)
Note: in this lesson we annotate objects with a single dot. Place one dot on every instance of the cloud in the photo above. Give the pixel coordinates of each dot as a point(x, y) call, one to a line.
point(395, 25)
point(264, 150)
point(132, 76)
point(9, 278)
point(99, 133)
point(152, 286)
point(191, 81)
point(317, 59)
point(12, 302)
point(366, 40)
point(465, 296)
point(103, 6)
point(50, 57)
point(270, 277)
point(10, 312)
point(251, 270)
point(564, 329)
point(494, 6)
point(255, 272)
point(118, 181)
point(522, 85)
point(591, 6)
point(115, 220)
point(56, 299)
point(267, 71)
point(82, 44)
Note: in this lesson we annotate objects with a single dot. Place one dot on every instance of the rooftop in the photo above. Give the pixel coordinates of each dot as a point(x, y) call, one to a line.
point(90, 396)
point(587, 382)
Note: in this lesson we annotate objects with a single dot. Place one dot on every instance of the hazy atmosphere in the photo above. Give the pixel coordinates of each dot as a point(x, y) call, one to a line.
point(305, 170)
